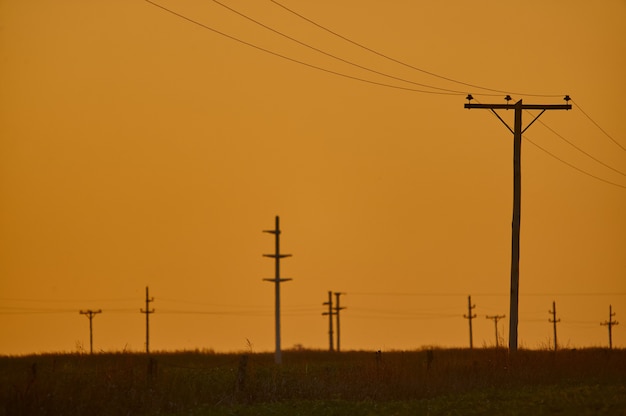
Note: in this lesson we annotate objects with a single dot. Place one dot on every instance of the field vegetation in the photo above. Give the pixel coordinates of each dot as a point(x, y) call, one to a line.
point(422, 382)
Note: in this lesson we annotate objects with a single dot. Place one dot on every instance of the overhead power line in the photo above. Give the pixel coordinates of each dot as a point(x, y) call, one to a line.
point(591, 175)
point(332, 55)
point(382, 84)
point(598, 126)
point(581, 150)
point(406, 64)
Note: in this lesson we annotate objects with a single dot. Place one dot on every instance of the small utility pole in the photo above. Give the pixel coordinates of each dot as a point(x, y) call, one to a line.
point(554, 322)
point(330, 314)
point(469, 317)
point(277, 281)
point(337, 310)
point(496, 318)
point(610, 323)
point(147, 311)
point(517, 131)
point(90, 314)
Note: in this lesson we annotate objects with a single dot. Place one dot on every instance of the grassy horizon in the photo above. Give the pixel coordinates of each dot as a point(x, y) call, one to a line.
point(355, 382)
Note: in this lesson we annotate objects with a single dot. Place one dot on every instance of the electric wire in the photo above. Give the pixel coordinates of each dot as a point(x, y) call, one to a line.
point(404, 63)
point(526, 138)
point(382, 84)
point(581, 150)
point(573, 166)
point(332, 55)
point(598, 126)
point(448, 92)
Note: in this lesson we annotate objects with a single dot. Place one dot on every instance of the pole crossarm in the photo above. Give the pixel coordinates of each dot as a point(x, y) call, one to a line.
point(524, 106)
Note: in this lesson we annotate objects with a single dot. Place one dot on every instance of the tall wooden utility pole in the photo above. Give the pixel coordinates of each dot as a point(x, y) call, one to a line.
point(517, 184)
point(470, 316)
point(90, 314)
point(554, 321)
point(496, 318)
point(147, 311)
point(277, 281)
point(330, 314)
point(610, 323)
point(337, 310)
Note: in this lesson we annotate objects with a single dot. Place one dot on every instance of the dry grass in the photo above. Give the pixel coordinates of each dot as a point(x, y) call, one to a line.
point(186, 382)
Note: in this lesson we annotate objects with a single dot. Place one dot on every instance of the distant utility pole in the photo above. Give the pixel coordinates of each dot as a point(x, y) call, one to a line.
point(147, 311)
point(554, 321)
point(90, 314)
point(610, 323)
point(330, 314)
point(277, 281)
point(469, 317)
point(496, 318)
point(337, 310)
point(517, 182)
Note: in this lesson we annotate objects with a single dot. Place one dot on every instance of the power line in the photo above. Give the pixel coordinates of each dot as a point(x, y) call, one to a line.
point(598, 126)
point(404, 63)
point(584, 172)
point(382, 84)
point(581, 150)
point(332, 55)
point(526, 138)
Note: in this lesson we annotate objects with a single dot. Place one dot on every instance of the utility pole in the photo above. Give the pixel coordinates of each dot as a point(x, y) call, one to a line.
point(147, 311)
point(337, 310)
point(554, 322)
point(469, 317)
point(277, 281)
point(90, 314)
point(330, 314)
point(610, 323)
point(517, 183)
point(496, 318)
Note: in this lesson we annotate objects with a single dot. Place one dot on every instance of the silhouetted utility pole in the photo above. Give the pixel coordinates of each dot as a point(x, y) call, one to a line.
point(517, 183)
point(90, 314)
point(330, 314)
point(337, 310)
point(496, 318)
point(277, 281)
point(469, 317)
point(147, 311)
point(610, 324)
point(554, 322)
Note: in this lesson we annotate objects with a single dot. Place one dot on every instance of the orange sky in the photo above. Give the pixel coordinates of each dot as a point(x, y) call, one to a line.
point(140, 149)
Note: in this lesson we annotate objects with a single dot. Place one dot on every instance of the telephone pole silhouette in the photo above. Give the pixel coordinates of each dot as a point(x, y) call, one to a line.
point(147, 311)
point(517, 131)
point(554, 321)
point(90, 314)
point(337, 310)
point(496, 318)
point(610, 324)
point(469, 317)
point(330, 314)
point(277, 281)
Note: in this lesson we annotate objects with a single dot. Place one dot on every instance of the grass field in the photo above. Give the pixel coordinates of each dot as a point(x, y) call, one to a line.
point(424, 382)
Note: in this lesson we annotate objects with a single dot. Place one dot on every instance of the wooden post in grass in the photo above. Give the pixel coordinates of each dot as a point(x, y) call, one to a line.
point(277, 281)
point(554, 322)
point(610, 323)
point(90, 314)
point(496, 318)
point(330, 314)
point(470, 316)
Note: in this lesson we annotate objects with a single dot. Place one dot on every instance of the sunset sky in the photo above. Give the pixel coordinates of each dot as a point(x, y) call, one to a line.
point(146, 147)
